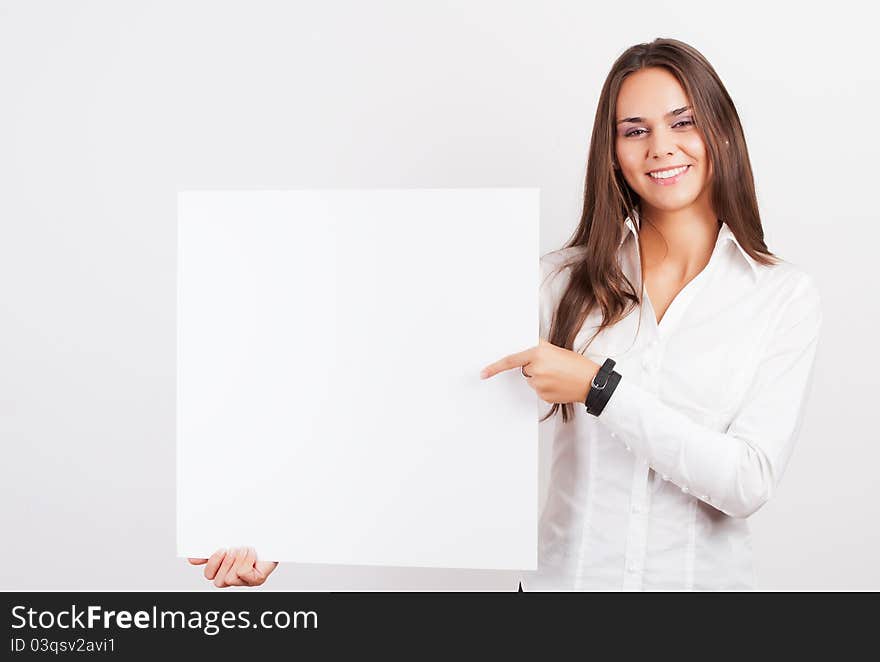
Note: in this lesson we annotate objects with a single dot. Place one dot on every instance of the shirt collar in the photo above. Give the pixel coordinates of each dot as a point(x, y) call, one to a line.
point(631, 227)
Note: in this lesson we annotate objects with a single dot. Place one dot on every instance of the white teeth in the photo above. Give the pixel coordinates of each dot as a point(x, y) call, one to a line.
point(666, 174)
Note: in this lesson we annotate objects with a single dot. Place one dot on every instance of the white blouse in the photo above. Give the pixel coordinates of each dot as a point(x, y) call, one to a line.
point(655, 492)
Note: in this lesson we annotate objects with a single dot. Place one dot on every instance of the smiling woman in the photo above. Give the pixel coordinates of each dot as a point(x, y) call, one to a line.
point(711, 338)
point(685, 175)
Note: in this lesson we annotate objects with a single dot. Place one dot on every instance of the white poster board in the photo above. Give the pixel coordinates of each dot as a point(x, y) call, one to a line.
point(329, 405)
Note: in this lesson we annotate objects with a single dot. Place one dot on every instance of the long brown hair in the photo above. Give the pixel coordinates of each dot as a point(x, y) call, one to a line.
point(596, 276)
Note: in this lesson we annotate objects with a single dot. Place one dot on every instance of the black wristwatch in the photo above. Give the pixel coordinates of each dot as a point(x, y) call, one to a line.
point(601, 388)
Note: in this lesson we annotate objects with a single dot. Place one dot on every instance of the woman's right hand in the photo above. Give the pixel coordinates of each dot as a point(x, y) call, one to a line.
point(236, 567)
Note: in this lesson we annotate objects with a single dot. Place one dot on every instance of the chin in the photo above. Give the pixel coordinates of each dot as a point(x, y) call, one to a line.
point(671, 203)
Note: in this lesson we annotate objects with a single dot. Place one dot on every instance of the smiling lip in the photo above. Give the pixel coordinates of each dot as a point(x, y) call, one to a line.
point(669, 181)
point(680, 165)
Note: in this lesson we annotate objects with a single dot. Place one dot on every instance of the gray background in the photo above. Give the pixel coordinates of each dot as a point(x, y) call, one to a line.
point(110, 108)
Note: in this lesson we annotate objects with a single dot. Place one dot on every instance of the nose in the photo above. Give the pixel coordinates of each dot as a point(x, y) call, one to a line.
point(662, 144)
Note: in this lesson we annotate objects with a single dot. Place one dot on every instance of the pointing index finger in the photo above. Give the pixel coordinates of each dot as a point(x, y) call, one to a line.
point(510, 361)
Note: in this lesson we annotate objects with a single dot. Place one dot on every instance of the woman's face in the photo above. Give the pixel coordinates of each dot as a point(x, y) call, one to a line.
point(658, 135)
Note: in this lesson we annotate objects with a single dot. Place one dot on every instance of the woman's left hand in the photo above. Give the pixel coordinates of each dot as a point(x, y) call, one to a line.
point(556, 374)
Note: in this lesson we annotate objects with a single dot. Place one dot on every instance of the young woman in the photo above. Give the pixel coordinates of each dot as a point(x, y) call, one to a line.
point(711, 336)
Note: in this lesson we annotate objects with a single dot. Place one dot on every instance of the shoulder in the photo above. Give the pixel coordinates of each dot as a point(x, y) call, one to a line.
point(558, 261)
point(788, 278)
point(794, 291)
point(554, 278)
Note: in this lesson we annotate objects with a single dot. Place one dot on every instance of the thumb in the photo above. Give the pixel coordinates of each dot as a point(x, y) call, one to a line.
point(257, 573)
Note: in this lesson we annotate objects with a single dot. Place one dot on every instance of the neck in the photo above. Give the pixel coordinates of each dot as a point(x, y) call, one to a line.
point(679, 241)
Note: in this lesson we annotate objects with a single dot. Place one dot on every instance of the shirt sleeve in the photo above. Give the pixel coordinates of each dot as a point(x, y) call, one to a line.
point(736, 471)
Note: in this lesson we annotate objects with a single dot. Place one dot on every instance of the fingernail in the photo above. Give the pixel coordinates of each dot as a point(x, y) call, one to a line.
point(483, 373)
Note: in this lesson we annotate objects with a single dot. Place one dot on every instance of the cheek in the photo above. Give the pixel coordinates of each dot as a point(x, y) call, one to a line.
point(696, 148)
point(626, 154)
point(631, 163)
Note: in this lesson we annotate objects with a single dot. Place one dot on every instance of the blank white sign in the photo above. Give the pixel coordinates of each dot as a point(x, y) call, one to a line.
point(329, 404)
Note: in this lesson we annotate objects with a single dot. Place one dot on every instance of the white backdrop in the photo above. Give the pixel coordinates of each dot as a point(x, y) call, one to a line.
point(109, 108)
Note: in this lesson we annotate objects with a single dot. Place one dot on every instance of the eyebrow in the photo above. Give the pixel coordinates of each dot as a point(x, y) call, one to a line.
point(677, 111)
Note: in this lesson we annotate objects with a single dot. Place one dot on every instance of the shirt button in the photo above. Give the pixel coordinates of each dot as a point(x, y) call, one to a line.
point(684, 488)
point(706, 498)
point(632, 567)
point(636, 508)
point(627, 447)
point(614, 435)
point(665, 477)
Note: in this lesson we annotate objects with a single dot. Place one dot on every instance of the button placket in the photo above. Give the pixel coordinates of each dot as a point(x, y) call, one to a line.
point(637, 531)
point(652, 356)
